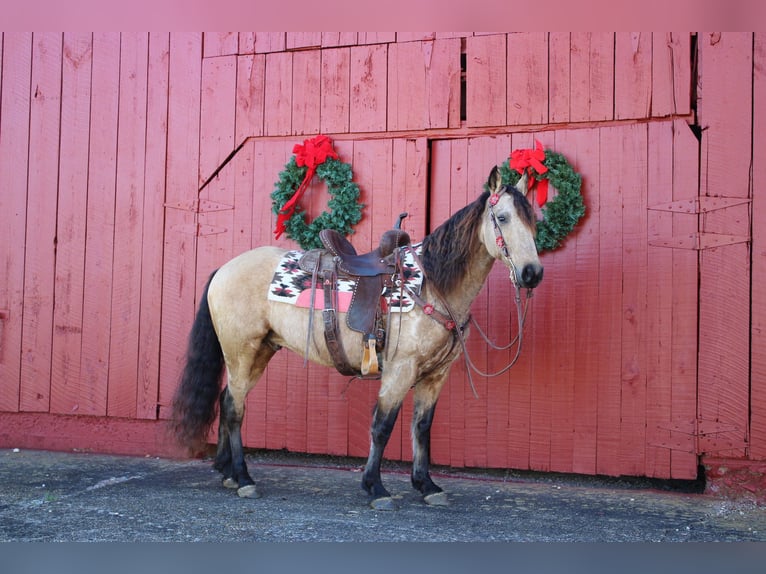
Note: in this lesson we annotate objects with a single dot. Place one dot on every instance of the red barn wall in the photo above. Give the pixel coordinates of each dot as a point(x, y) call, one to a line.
point(132, 165)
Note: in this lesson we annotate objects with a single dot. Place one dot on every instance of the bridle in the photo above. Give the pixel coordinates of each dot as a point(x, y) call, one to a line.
point(451, 323)
point(520, 313)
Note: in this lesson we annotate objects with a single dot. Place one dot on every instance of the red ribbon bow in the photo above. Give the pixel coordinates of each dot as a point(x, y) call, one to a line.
point(522, 159)
point(312, 153)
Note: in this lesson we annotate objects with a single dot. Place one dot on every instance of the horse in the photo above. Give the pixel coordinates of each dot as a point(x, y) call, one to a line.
point(238, 330)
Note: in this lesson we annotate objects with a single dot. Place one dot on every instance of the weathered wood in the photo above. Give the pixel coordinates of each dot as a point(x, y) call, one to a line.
point(278, 93)
point(251, 70)
point(758, 327)
point(68, 320)
point(671, 73)
point(582, 146)
point(527, 78)
point(153, 227)
point(486, 69)
point(725, 89)
point(591, 87)
point(335, 90)
point(15, 79)
point(368, 88)
point(39, 243)
point(179, 267)
point(633, 75)
point(306, 92)
point(220, 44)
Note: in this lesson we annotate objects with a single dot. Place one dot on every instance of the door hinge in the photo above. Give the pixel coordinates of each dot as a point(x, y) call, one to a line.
point(701, 436)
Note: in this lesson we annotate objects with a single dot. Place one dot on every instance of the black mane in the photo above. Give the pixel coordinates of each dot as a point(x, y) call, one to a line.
point(447, 250)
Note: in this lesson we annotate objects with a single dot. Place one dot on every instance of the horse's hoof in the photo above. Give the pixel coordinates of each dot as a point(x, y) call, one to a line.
point(230, 483)
point(436, 499)
point(248, 491)
point(384, 503)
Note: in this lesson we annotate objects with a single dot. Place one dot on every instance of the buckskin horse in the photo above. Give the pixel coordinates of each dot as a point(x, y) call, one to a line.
point(238, 328)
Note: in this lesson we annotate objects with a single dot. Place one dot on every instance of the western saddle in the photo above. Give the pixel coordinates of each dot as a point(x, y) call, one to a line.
point(370, 273)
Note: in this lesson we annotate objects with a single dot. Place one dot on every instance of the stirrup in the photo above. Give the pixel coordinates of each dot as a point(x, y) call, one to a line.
point(370, 357)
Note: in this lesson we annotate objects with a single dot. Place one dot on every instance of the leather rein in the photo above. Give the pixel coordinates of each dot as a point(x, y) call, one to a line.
point(449, 320)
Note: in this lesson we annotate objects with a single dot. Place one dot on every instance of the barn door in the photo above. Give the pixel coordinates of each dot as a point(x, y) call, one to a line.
point(607, 376)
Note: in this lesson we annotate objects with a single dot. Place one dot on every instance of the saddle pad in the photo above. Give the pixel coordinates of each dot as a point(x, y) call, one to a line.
point(290, 284)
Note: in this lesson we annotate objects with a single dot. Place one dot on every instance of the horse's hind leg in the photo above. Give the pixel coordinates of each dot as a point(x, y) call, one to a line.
point(230, 459)
point(223, 460)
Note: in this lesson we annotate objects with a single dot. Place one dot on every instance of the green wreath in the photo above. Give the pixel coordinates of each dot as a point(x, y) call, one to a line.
point(345, 210)
point(562, 213)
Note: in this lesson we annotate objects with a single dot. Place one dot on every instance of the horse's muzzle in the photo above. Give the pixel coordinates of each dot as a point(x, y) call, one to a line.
point(531, 275)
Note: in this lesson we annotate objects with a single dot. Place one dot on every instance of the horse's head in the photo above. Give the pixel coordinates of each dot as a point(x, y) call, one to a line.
point(508, 230)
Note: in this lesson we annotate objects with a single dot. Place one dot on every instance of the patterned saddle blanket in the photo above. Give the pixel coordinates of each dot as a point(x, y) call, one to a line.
point(291, 284)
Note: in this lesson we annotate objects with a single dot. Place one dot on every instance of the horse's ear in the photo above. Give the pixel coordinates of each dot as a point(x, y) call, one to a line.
point(494, 181)
point(521, 185)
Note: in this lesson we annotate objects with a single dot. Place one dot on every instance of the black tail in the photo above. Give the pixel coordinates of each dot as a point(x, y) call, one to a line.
point(196, 398)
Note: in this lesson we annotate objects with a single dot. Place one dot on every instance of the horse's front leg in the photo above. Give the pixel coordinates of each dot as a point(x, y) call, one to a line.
point(382, 424)
point(426, 395)
point(396, 381)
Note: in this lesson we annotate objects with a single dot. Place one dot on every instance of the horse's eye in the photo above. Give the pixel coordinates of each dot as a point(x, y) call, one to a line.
point(502, 219)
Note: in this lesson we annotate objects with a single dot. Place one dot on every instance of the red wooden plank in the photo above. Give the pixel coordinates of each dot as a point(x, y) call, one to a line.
point(458, 382)
point(261, 227)
point(414, 36)
point(306, 88)
point(269, 42)
point(99, 238)
point(335, 90)
point(671, 73)
point(758, 328)
point(15, 78)
point(220, 44)
point(559, 78)
point(608, 346)
point(685, 297)
point(547, 321)
point(423, 84)
point(527, 78)
point(217, 129)
point(500, 325)
point(219, 80)
point(482, 155)
point(367, 112)
point(126, 285)
point(335, 39)
point(439, 211)
point(373, 172)
point(45, 431)
point(178, 296)
point(276, 156)
point(634, 301)
point(633, 82)
point(251, 72)
point(302, 40)
point(581, 147)
point(39, 262)
point(443, 83)
point(153, 226)
point(591, 76)
point(72, 212)
point(376, 37)
point(486, 68)
point(278, 94)
point(726, 111)
point(660, 309)
point(564, 361)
